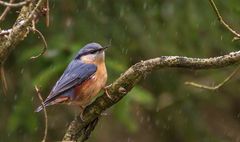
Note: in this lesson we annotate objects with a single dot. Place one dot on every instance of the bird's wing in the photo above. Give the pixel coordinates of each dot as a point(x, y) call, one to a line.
point(76, 73)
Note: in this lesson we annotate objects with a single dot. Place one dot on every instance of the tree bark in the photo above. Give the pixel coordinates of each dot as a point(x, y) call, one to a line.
point(10, 38)
point(133, 75)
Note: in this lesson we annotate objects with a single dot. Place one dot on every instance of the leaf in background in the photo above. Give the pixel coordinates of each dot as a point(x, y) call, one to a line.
point(48, 74)
point(22, 116)
point(115, 66)
point(122, 112)
point(27, 54)
point(141, 96)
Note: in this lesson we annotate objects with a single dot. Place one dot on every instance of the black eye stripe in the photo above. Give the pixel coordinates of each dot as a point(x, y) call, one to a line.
point(95, 51)
point(88, 52)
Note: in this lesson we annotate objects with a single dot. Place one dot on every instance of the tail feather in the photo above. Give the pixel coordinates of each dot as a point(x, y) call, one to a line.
point(48, 103)
point(39, 109)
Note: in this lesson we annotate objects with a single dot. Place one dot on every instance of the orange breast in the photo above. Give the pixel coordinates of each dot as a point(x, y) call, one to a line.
point(90, 88)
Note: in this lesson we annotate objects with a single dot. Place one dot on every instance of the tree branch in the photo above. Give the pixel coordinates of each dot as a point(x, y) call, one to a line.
point(3, 79)
point(216, 87)
point(237, 36)
point(133, 75)
point(44, 49)
point(220, 19)
point(7, 9)
point(19, 31)
point(10, 4)
point(45, 114)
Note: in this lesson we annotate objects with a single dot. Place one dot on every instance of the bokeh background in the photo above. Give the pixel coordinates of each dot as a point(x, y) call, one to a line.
point(159, 109)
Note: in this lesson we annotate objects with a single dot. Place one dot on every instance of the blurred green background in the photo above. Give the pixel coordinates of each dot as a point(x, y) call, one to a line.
point(161, 108)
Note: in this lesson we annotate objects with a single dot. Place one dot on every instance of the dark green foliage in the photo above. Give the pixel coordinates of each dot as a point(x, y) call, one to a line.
point(161, 108)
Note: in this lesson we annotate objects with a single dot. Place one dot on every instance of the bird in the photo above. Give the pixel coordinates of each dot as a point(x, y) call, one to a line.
point(82, 80)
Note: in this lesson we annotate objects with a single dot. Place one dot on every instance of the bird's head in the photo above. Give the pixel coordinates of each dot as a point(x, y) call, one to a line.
point(92, 53)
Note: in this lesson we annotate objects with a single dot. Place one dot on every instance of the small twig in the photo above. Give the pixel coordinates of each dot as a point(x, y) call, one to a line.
point(47, 13)
point(14, 4)
point(4, 81)
point(34, 10)
point(217, 86)
point(237, 37)
point(220, 19)
point(33, 28)
point(31, 15)
point(7, 9)
point(44, 49)
point(5, 32)
point(45, 114)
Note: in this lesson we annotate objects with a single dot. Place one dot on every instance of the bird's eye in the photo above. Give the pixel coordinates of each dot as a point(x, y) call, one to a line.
point(94, 52)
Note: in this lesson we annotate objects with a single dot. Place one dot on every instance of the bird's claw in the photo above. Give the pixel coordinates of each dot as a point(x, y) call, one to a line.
point(106, 92)
point(81, 111)
point(81, 116)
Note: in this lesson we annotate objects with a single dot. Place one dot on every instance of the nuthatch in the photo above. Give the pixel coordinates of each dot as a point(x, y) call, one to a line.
point(82, 80)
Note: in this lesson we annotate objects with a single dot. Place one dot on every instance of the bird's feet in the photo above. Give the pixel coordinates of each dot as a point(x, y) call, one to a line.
point(81, 115)
point(106, 91)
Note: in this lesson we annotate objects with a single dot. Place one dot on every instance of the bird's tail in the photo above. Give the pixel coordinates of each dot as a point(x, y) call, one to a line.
point(51, 102)
point(40, 108)
point(45, 104)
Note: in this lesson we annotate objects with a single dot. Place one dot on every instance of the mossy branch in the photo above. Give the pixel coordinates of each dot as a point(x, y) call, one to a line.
point(19, 31)
point(132, 76)
point(10, 38)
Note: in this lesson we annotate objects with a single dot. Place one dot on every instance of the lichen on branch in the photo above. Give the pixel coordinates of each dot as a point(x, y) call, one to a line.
point(19, 30)
point(133, 75)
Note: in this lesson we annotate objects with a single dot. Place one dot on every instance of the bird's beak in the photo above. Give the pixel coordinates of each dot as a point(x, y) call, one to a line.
point(105, 47)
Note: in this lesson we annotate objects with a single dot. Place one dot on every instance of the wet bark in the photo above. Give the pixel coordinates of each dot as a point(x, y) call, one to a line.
point(131, 77)
point(19, 31)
